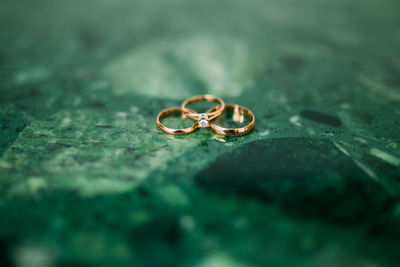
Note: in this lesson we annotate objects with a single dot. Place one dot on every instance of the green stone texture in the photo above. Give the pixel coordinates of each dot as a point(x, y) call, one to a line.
point(87, 179)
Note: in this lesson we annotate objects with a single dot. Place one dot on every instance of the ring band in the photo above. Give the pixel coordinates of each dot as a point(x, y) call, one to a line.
point(238, 113)
point(209, 98)
point(164, 113)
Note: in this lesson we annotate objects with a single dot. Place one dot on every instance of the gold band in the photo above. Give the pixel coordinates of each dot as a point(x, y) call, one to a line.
point(217, 110)
point(164, 113)
point(238, 115)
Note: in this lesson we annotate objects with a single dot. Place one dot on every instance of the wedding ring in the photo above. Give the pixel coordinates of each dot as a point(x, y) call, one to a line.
point(164, 113)
point(239, 113)
point(203, 118)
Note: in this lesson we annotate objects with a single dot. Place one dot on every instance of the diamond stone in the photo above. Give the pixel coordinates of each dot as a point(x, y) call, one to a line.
point(203, 121)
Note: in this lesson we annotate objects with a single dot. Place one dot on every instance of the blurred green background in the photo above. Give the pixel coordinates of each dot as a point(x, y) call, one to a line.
point(86, 178)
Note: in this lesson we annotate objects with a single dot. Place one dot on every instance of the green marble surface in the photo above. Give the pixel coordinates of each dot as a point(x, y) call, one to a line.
point(86, 178)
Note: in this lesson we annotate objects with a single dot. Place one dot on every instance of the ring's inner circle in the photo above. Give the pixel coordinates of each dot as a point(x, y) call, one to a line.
point(202, 106)
point(176, 121)
point(232, 117)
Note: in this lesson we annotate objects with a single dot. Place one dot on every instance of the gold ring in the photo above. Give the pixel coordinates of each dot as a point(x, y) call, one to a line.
point(238, 115)
point(203, 118)
point(170, 111)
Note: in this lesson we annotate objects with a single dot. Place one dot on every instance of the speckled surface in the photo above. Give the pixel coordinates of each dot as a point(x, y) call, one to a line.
point(86, 178)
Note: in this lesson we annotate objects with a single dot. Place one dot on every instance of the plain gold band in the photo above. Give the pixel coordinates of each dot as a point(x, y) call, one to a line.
point(164, 113)
point(217, 110)
point(238, 111)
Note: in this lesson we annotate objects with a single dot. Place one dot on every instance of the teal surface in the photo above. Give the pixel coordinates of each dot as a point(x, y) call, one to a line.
point(87, 179)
